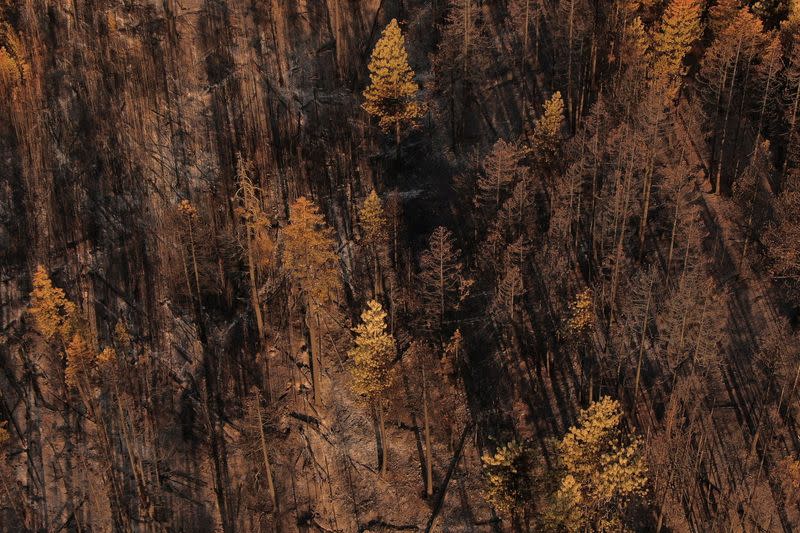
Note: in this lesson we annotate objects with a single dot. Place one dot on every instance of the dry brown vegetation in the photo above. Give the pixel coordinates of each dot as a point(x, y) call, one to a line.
point(399, 265)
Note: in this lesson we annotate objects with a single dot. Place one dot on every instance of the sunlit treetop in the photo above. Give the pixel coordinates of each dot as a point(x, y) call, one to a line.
point(792, 23)
point(106, 357)
point(392, 93)
point(603, 469)
point(52, 312)
point(13, 66)
point(547, 133)
point(373, 220)
point(188, 210)
point(507, 473)
point(308, 252)
point(581, 314)
point(373, 353)
point(80, 361)
point(680, 28)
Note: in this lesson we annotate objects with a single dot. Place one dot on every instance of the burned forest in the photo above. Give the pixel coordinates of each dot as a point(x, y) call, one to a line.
point(364, 266)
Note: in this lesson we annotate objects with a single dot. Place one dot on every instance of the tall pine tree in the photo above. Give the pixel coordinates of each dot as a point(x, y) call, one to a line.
point(392, 95)
point(680, 28)
point(372, 355)
point(311, 263)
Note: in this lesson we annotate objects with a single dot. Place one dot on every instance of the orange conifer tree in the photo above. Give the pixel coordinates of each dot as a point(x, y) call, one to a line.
point(392, 93)
point(312, 265)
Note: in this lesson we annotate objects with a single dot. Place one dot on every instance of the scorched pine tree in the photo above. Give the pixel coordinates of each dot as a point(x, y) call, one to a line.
point(372, 355)
point(392, 95)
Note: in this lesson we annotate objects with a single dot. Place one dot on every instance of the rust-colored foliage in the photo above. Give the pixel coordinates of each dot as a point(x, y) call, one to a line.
point(13, 65)
point(392, 93)
point(80, 362)
point(308, 252)
point(53, 314)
